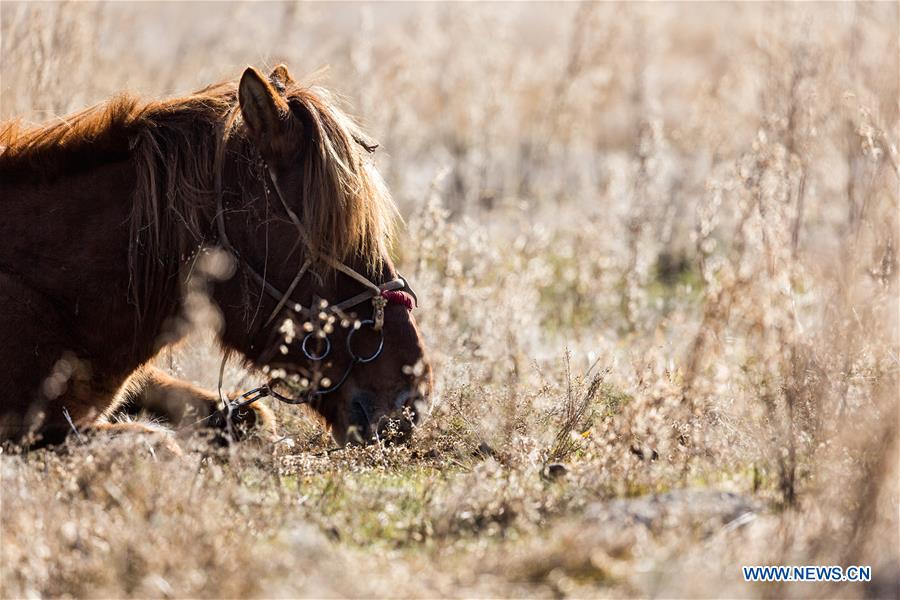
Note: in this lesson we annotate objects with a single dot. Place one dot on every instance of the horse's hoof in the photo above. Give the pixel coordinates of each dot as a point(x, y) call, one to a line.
point(256, 420)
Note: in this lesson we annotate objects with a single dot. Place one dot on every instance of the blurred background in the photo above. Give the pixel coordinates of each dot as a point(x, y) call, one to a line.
point(656, 243)
point(536, 101)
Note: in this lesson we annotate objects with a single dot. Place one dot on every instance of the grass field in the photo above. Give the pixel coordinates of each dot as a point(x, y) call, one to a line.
point(655, 247)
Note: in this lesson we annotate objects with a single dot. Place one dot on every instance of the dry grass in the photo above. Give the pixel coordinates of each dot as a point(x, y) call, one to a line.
point(653, 244)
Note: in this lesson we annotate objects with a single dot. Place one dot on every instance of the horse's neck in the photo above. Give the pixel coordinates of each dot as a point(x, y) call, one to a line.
point(68, 236)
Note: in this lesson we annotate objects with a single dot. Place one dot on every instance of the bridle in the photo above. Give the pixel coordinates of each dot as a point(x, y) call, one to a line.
point(390, 292)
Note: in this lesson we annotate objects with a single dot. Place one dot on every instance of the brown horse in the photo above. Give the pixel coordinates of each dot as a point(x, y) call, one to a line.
point(106, 215)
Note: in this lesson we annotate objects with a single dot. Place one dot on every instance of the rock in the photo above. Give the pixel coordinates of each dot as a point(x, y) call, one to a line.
point(644, 453)
point(554, 471)
point(706, 510)
point(484, 451)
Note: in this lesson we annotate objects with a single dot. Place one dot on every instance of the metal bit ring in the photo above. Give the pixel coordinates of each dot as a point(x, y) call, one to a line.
point(377, 352)
point(311, 355)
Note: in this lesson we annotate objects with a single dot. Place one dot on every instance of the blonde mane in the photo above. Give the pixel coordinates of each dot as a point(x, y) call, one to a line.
point(346, 206)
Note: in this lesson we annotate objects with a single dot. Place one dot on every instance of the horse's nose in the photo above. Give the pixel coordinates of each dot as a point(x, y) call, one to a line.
point(388, 420)
point(406, 402)
point(359, 430)
point(398, 425)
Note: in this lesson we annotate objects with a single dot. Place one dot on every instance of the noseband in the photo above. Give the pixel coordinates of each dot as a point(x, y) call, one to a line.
point(391, 292)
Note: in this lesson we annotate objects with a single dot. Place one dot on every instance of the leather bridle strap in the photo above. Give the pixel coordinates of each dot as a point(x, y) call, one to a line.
point(377, 293)
point(283, 299)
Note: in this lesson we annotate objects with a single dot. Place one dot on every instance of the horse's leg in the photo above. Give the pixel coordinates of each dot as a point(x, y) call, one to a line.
point(187, 406)
point(51, 389)
point(49, 386)
point(132, 427)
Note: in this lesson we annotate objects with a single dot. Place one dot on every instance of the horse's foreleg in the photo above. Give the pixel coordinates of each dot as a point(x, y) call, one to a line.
point(49, 390)
point(187, 406)
point(132, 427)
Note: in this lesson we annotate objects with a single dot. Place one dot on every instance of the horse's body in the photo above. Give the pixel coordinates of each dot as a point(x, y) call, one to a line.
point(105, 214)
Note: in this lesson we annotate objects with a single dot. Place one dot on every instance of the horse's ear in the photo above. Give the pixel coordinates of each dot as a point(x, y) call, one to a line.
point(264, 110)
point(281, 78)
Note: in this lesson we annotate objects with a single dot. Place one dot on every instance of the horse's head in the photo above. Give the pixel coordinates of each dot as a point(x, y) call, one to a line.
point(316, 301)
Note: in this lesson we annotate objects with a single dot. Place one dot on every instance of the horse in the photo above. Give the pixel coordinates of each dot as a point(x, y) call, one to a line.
point(108, 215)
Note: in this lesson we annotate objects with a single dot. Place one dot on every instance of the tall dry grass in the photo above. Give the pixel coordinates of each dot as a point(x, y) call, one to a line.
point(655, 247)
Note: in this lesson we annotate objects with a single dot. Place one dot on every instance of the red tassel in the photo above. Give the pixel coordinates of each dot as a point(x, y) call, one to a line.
point(399, 297)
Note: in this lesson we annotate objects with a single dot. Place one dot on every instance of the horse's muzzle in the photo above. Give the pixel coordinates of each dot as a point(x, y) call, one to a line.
point(390, 421)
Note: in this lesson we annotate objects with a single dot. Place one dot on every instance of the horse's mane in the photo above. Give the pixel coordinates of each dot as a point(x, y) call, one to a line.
point(344, 202)
point(179, 148)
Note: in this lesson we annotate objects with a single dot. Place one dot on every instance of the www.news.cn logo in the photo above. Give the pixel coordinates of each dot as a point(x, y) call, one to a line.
point(807, 573)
